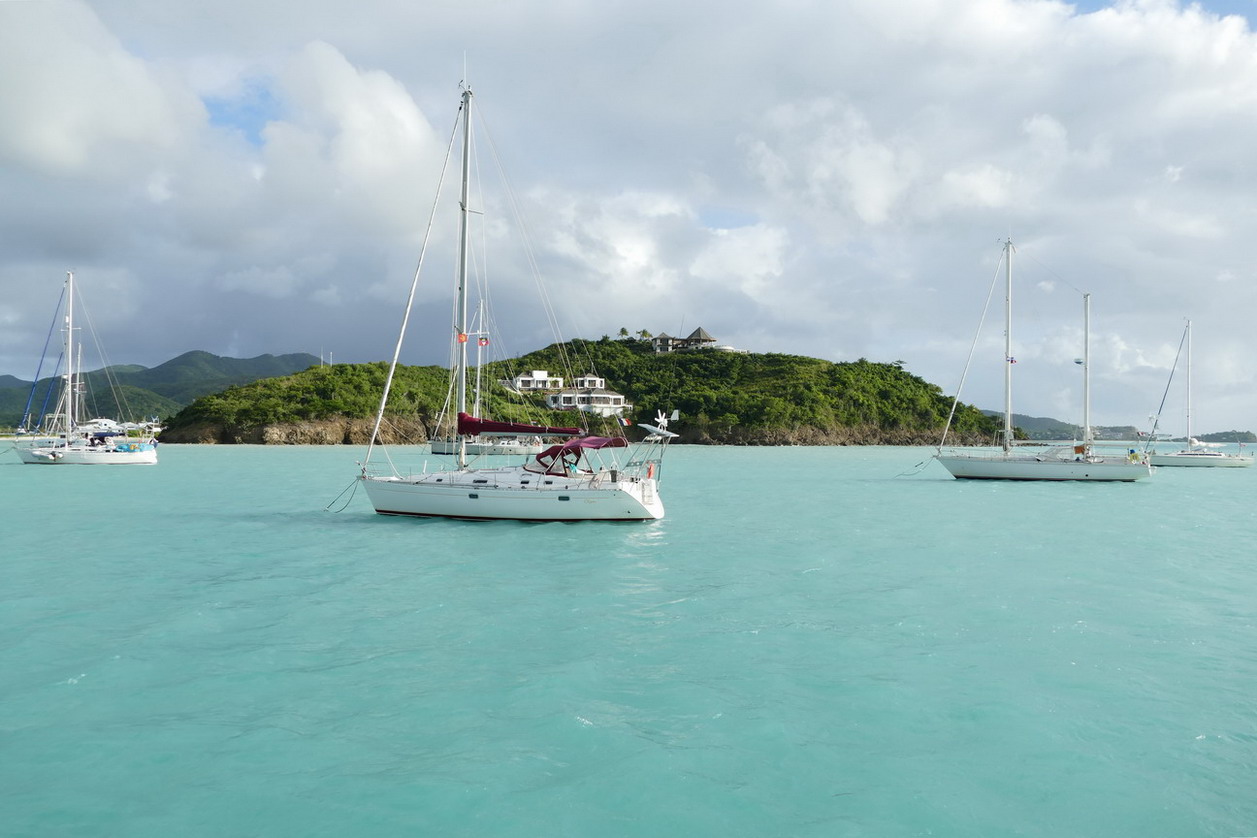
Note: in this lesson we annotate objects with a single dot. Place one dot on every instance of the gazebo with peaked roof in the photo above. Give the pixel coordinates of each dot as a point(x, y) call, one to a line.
point(698, 338)
point(664, 342)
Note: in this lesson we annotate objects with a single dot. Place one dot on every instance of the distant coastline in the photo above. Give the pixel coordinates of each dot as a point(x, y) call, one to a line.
point(346, 431)
point(724, 398)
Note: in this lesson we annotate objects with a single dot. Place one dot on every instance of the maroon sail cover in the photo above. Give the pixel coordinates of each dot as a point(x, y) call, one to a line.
point(553, 459)
point(471, 426)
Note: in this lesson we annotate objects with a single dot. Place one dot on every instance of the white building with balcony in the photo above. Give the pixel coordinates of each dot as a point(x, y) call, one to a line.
point(591, 395)
point(534, 381)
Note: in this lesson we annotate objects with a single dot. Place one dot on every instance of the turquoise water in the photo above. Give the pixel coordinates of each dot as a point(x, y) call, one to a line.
point(812, 643)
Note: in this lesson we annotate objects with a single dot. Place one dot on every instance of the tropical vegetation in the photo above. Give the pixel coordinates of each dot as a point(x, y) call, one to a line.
point(722, 397)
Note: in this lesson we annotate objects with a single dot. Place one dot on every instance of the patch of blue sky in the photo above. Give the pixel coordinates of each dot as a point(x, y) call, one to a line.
point(724, 218)
point(247, 113)
point(1222, 8)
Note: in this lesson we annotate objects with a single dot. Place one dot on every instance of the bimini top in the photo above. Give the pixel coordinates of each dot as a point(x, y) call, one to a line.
point(554, 460)
point(471, 426)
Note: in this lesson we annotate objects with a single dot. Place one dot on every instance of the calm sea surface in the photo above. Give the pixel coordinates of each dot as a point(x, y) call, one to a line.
point(814, 642)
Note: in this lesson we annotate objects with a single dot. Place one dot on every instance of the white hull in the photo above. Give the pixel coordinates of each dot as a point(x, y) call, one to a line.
point(88, 455)
point(516, 494)
point(475, 448)
point(1030, 467)
point(1201, 459)
point(35, 441)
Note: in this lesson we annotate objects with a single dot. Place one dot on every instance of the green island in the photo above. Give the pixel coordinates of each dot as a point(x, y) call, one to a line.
point(728, 398)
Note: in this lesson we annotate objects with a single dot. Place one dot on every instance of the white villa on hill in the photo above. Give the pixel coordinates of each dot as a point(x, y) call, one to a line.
point(534, 381)
point(590, 394)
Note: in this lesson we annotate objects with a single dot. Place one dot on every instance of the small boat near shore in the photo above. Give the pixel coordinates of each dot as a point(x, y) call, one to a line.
point(1197, 454)
point(63, 439)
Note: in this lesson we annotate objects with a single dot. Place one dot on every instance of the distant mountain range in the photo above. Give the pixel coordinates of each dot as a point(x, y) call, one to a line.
point(1041, 428)
point(157, 391)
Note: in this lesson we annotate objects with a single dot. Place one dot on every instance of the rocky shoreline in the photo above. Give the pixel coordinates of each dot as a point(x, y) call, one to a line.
point(345, 431)
point(341, 431)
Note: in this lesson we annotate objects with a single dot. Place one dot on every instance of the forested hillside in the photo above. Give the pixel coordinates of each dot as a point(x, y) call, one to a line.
point(723, 397)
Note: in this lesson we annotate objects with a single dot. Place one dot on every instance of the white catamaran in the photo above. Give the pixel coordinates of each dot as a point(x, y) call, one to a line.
point(64, 439)
point(583, 478)
point(1073, 462)
point(1197, 453)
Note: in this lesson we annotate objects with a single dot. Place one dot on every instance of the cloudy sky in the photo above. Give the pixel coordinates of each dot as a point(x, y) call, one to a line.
point(831, 179)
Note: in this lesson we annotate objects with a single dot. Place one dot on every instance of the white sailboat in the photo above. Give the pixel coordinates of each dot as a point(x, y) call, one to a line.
point(583, 478)
point(1073, 462)
point(1197, 454)
point(67, 440)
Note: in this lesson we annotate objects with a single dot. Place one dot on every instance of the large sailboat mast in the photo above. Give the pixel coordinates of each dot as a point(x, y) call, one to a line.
point(460, 305)
point(1008, 346)
point(71, 384)
point(1086, 372)
point(1189, 385)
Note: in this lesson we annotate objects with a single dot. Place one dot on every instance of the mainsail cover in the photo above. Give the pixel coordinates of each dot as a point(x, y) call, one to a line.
point(471, 426)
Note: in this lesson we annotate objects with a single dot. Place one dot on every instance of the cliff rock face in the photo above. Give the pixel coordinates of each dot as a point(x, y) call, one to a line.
point(413, 432)
point(323, 432)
